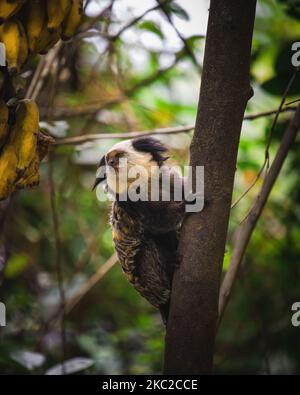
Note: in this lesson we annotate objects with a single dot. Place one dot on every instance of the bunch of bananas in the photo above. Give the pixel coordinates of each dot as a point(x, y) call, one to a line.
point(35, 26)
point(27, 27)
point(19, 159)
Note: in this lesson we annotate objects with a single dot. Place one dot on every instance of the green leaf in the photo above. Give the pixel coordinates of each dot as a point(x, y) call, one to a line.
point(292, 8)
point(194, 40)
point(227, 257)
point(283, 69)
point(16, 265)
point(176, 9)
point(152, 27)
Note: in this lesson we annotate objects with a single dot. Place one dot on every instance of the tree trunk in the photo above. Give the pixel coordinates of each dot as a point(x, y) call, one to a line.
point(225, 90)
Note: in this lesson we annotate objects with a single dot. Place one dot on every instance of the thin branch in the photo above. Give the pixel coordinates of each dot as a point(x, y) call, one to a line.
point(55, 69)
point(244, 232)
point(91, 282)
point(42, 72)
point(58, 258)
point(35, 77)
point(134, 22)
point(86, 33)
point(160, 131)
point(270, 137)
point(252, 117)
point(91, 34)
point(92, 21)
point(183, 40)
point(285, 94)
point(86, 5)
point(258, 175)
point(129, 135)
point(84, 289)
point(292, 102)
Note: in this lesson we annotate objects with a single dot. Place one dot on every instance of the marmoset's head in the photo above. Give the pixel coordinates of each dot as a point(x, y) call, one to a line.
point(128, 161)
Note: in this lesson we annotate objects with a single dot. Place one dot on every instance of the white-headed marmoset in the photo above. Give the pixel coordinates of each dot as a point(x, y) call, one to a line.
point(145, 232)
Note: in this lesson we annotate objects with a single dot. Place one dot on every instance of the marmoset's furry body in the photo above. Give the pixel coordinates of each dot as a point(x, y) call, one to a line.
point(145, 233)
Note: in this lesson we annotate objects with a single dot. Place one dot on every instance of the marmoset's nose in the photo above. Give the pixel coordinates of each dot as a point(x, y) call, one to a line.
point(113, 162)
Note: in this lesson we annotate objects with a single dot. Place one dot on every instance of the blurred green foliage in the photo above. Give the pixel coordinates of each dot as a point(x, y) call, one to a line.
point(111, 325)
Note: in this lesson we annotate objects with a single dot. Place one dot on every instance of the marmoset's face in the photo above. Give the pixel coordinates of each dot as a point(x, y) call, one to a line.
point(125, 165)
point(133, 166)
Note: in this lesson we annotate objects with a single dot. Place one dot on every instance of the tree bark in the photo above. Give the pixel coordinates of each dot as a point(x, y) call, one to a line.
point(244, 232)
point(225, 90)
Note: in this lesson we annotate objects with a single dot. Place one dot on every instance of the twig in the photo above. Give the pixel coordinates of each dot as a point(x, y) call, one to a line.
point(92, 21)
point(35, 77)
point(161, 131)
point(285, 94)
point(129, 135)
point(58, 258)
point(270, 137)
point(42, 72)
point(183, 40)
point(292, 102)
point(86, 33)
point(244, 232)
point(252, 117)
point(236, 202)
point(53, 85)
point(91, 282)
point(134, 21)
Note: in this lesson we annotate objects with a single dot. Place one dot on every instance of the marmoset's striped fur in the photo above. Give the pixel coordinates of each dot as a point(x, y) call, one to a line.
point(145, 233)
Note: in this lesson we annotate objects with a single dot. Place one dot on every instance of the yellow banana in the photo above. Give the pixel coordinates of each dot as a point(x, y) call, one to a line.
point(57, 11)
point(8, 172)
point(13, 36)
point(31, 176)
point(9, 8)
point(40, 39)
point(72, 20)
point(26, 129)
point(3, 121)
point(8, 167)
point(35, 22)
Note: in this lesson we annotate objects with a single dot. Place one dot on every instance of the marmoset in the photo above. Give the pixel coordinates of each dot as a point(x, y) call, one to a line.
point(145, 232)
